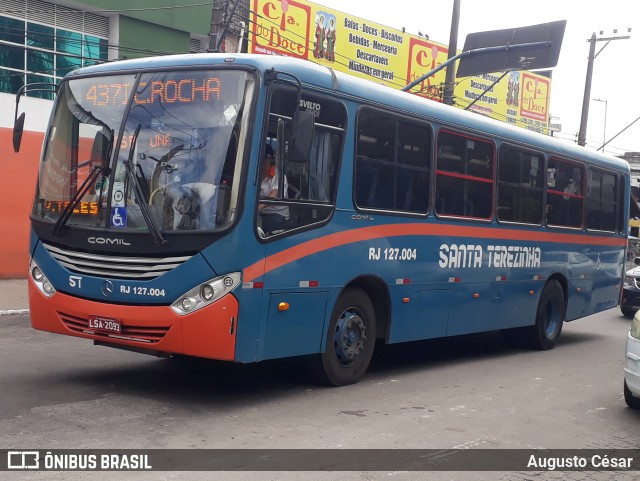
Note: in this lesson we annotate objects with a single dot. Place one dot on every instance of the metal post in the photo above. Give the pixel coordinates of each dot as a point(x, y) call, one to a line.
point(453, 47)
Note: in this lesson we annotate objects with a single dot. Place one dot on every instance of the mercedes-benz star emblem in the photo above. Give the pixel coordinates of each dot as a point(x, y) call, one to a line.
point(107, 288)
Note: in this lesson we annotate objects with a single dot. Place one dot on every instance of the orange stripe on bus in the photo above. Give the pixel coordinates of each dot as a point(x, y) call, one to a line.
point(330, 241)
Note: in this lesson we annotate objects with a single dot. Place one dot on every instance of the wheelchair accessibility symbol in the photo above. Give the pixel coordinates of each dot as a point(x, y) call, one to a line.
point(118, 217)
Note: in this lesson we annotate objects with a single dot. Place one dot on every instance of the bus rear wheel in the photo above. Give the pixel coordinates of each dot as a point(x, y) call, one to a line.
point(544, 334)
point(351, 338)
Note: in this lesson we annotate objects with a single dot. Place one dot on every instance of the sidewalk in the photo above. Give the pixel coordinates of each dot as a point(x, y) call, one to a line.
point(13, 296)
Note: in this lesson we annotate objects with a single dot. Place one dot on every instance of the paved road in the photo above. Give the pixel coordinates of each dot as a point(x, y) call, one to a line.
point(467, 392)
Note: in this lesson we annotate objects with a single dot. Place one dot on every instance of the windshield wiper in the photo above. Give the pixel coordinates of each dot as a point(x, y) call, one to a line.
point(75, 200)
point(139, 194)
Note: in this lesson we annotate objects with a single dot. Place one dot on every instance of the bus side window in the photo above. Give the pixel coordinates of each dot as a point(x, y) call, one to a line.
point(565, 193)
point(520, 185)
point(392, 163)
point(414, 164)
point(601, 201)
point(464, 176)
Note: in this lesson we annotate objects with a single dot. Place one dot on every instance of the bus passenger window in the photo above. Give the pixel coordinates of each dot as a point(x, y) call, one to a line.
point(464, 176)
point(601, 201)
point(520, 185)
point(392, 163)
point(565, 194)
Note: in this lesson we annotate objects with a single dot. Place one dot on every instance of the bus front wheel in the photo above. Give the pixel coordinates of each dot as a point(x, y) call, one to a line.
point(544, 334)
point(350, 339)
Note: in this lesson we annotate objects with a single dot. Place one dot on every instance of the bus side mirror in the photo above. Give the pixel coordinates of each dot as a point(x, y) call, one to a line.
point(302, 128)
point(18, 127)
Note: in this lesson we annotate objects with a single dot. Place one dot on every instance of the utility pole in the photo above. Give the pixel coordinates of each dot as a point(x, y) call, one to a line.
point(582, 134)
point(215, 30)
point(449, 82)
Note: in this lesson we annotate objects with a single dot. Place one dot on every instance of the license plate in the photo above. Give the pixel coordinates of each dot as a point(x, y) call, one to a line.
point(105, 324)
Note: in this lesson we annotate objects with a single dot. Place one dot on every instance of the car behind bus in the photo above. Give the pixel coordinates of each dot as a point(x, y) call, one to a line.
point(632, 365)
point(630, 302)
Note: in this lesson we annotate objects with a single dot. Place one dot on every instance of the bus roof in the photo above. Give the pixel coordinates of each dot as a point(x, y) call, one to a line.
point(368, 91)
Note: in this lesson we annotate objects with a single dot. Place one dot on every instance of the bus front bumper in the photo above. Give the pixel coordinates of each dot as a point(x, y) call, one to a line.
point(209, 332)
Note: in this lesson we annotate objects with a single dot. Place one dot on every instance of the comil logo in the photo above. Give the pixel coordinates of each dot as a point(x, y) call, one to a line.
point(281, 28)
point(23, 460)
point(109, 241)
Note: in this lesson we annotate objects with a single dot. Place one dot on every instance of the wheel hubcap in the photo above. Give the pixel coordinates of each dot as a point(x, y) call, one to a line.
point(350, 337)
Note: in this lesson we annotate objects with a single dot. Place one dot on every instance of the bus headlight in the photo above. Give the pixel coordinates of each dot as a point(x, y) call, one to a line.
point(188, 303)
point(635, 327)
point(206, 293)
point(37, 274)
point(40, 280)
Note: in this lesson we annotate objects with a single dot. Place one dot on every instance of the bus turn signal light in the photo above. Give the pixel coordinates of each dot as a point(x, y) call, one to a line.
point(283, 306)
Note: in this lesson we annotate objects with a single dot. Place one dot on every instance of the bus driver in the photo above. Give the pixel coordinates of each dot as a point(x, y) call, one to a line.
point(273, 216)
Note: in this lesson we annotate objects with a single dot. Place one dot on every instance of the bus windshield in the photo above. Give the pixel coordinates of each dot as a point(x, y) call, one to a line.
point(170, 166)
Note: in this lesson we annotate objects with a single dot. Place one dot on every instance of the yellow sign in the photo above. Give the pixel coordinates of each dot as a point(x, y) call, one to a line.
point(350, 44)
point(519, 98)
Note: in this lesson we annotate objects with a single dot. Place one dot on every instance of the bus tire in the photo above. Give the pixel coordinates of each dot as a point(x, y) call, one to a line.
point(544, 334)
point(351, 338)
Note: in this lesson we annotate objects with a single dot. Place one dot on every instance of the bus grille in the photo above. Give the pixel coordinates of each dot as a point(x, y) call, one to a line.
point(146, 334)
point(141, 268)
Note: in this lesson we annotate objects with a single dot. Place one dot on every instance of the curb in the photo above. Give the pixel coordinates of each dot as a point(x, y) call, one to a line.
point(14, 311)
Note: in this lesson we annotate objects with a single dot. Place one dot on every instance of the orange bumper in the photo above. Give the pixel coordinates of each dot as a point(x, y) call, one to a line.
point(209, 332)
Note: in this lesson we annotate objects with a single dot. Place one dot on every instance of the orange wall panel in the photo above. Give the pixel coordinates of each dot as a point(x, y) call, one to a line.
point(18, 174)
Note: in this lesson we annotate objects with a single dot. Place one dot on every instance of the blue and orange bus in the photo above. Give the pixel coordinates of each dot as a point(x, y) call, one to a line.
point(400, 219)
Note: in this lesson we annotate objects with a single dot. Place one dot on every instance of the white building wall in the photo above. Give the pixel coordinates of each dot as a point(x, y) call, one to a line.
point(37, 112)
